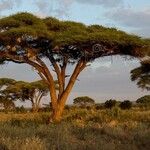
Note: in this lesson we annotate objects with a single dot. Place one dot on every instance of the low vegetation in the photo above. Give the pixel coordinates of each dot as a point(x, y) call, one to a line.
point(80, 129)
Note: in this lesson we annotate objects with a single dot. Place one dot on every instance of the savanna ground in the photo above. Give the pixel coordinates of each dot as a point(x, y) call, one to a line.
point(80, 129)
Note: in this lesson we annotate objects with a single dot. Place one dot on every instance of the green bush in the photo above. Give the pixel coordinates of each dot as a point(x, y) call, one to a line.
point(99, 106)
point(110, 103)
point(125, 104)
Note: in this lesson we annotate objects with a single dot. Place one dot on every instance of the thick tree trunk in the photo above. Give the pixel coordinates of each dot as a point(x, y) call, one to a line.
point(57, 113)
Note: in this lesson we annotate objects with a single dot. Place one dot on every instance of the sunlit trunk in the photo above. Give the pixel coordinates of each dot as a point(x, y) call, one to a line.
point(57, 111)
point(57, 114)
point(35, 107)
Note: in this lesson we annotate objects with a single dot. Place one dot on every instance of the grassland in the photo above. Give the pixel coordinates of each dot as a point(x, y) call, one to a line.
point(80, 129)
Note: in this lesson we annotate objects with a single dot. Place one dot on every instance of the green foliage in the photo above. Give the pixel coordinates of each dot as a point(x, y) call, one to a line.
point(110, 103)
point(125, 104)
point(141, 75)
point(144, 100)
point(83, 101)
point(6, 82)
point(25, 90)
point(22, 24)
point(6, 104)
point(29, 28)
point(21, 90)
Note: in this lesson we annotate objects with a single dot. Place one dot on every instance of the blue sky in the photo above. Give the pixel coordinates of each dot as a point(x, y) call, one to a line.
point(104, 79)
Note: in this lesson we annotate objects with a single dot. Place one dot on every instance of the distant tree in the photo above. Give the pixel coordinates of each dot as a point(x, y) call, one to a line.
point(110, 103)
point(83, 101)
point(144, 100)
point(4, 82)
point(5, 101)
point(25, 38)
point(125, 104)
point(23, 91)
point(6, 104)
point(141, 75)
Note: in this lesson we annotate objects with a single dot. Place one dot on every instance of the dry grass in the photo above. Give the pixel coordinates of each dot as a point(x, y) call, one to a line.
point(80, 129)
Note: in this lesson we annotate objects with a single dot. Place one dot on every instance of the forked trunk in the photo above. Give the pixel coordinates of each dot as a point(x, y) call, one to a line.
point(58, 103)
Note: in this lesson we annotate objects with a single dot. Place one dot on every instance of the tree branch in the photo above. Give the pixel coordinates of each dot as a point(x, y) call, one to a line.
point(40, 66)
point(59, 76)
point(63, 71)
point(79, 67)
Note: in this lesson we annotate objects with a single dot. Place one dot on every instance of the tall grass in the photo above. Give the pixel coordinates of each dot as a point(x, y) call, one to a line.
point(81, 129)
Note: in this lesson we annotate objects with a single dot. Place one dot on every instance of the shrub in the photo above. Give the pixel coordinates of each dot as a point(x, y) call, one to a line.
point(144, 100)
point(110, 103)
point(6, 104)
point(67, 107)
point(99, 106)
point(83, 101)
point(44, 109)
point(125, 104)
point(20, 109)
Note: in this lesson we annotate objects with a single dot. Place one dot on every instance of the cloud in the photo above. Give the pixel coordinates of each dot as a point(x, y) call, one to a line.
point(58, 8)
point(41, 5)
point(44, 7)
point(144, 32)
point(5, 5)
point(138, 20)
point(105, 3)
point(62, 8)
point(8, 4)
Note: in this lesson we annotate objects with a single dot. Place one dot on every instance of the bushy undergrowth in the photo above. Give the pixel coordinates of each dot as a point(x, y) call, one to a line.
point(80, 129)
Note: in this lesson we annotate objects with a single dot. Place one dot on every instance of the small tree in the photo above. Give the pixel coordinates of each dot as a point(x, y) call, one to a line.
point(23, 91)
point(110, 103)
point(6, 104)
point(4, 82)
point(125, 104)
point(83, 101)
point(5, 101)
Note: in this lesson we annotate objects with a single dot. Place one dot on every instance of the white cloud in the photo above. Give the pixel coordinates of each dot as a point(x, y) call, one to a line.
point(9, 4)
point(43, 7)
point(58, 8)
point(105, 3)
point(5, 5)
point(138, 20)
point(62, 7)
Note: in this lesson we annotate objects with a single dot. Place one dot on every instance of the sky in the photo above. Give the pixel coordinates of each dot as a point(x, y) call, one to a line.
point(107, 77)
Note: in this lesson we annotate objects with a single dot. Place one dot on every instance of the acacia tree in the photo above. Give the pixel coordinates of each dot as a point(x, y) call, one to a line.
point(25, 38)
point(6, 102)
point(83, 101)
point(141, 75)
point(24, 91)
point(5, 82)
